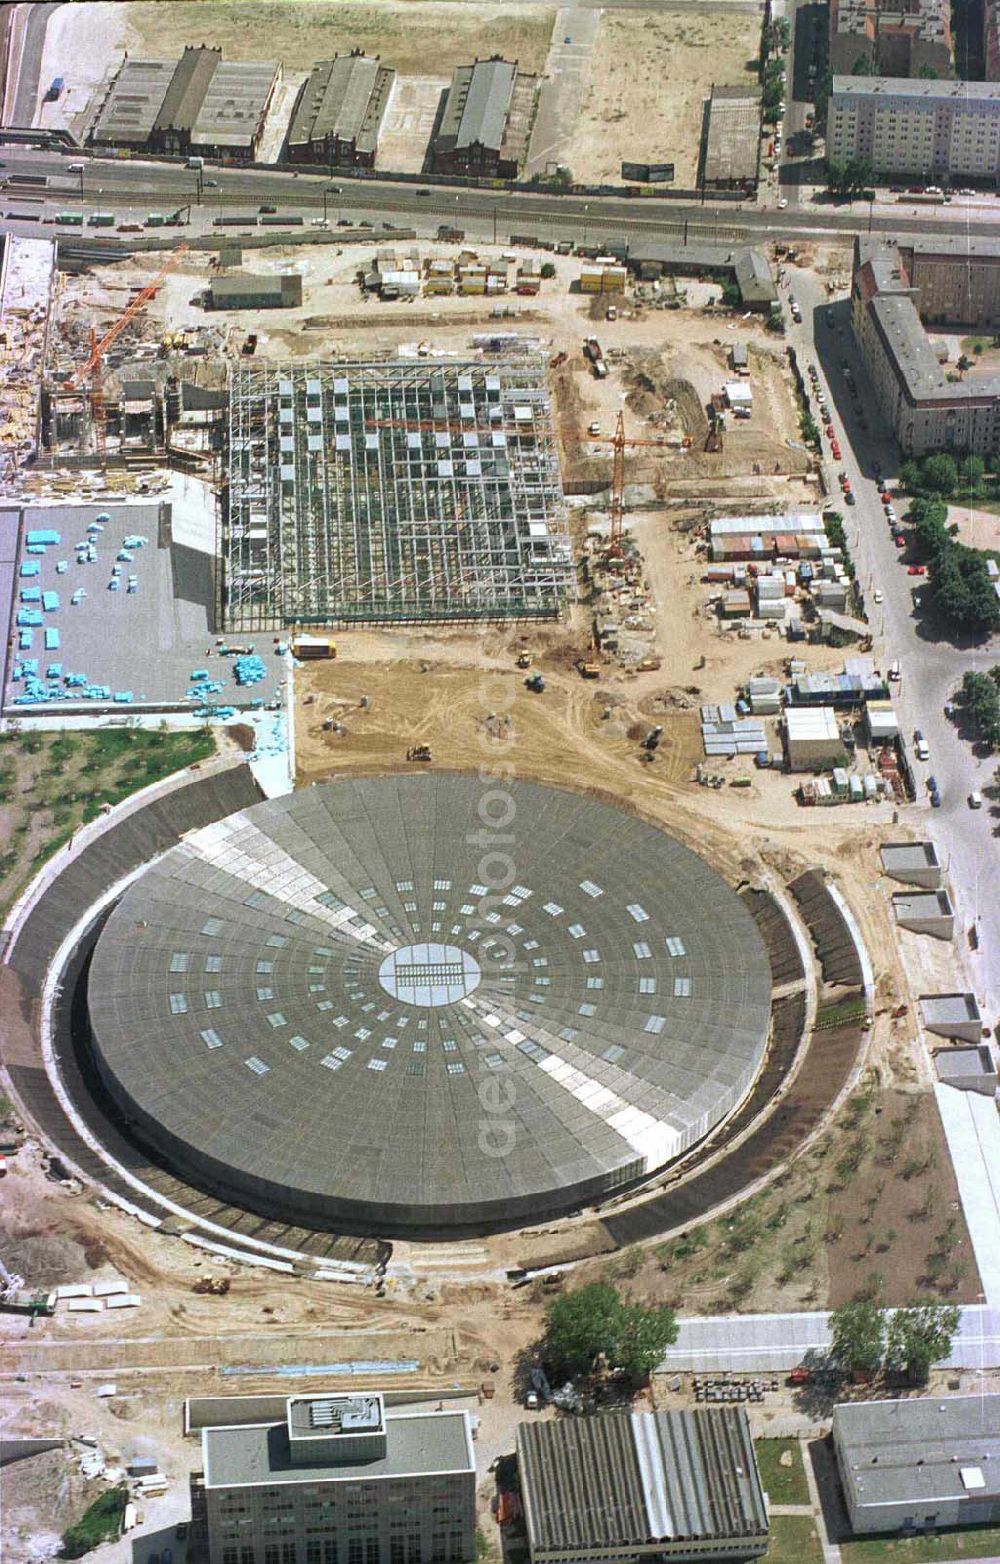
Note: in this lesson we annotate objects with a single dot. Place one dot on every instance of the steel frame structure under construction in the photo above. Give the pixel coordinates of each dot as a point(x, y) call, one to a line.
point(397, 491)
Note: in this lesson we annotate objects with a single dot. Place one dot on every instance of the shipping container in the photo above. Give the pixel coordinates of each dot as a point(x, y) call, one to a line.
point(71, 219)
point(101, 220)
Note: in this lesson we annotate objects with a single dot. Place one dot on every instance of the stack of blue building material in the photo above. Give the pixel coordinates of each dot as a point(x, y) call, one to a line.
point(249, 670)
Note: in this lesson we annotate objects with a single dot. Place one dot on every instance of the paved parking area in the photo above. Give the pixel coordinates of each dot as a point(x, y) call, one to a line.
point(147, 641)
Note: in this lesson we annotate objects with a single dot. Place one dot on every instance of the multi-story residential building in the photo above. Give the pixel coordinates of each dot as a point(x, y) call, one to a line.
point(899, 38)
point(895, 284)
point(337, 1481)
point(928, 129)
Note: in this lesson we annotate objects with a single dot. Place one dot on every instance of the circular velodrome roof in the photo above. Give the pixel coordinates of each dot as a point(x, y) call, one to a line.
point(320, 1005)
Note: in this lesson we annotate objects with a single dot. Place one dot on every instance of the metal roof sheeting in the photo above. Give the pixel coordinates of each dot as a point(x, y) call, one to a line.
point(633, 1479)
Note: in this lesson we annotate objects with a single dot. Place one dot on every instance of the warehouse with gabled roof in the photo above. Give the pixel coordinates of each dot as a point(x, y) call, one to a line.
point(486, 121)
point(621, 1485)
point(340, 110)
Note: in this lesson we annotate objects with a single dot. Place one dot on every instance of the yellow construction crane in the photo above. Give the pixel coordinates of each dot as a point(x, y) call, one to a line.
point(92, 368)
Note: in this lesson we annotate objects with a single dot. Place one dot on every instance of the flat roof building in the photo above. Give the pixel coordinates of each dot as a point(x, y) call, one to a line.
point(952, 1015)
point(340, 110)
point(968, 1069)
point(940, 129)
point(486, 121)
point(914, 863)
point(400, 1484)
point(925, 912)
point(245, 291)
point(812, 737)
point(732, 139)
point(918, 1464)
point(197, 104)
point(619, 1485)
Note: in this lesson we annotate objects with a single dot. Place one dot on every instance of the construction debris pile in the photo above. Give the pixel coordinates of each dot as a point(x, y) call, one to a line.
point(25, 280)
point(624, 619)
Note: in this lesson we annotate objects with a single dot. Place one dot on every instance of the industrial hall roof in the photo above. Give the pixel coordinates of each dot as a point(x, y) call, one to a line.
point(637, 1480)
point(343, 99)
point(478, 101)
point(312, 1000)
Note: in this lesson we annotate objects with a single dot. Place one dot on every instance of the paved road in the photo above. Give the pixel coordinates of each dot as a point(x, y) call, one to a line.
point(931, 666)
point(573, 37)
point(31, 24)
point(118, 183)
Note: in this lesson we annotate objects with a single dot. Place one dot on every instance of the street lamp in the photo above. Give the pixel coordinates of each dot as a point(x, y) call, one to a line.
point(327, 192)
point(586, 209)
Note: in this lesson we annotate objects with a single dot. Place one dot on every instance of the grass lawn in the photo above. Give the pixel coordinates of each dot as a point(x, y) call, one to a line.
point(794, 1540)
point(52, 783)
point(975, 1543)
point(782, 1484)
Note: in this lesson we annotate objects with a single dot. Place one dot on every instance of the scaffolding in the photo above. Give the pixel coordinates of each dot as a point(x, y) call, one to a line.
point(391, 492)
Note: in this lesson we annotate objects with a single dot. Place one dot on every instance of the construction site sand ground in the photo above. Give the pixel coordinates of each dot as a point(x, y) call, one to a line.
point(976, 528)
point(416, 39)
point(649, 75)
point(809, 1241)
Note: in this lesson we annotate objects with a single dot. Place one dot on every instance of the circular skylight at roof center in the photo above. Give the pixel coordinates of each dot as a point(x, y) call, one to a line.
point(429, 974)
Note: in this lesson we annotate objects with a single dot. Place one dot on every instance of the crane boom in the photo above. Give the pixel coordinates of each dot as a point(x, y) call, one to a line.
point(98, 349)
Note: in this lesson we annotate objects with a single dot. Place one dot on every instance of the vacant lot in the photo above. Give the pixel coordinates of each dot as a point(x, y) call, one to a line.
point(794, 1540)
point(416, 37)
point(976, 1543)
point(781, 1470)
point(52, 783)
point(650, 73)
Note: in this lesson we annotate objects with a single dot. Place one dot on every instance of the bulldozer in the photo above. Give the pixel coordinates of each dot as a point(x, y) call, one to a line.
point(419, 752)
point(216, 1286)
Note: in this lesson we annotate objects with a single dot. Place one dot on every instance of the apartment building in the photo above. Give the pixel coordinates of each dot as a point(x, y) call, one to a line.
point(927, 129)
point(337, 1481)
point(900, 38)
point(895, 287)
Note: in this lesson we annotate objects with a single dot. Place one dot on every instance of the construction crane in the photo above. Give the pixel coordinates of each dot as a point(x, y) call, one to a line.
point(618, 441)
point(92, 368)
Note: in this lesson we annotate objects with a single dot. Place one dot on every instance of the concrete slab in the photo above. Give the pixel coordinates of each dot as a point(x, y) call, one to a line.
point(148, 641)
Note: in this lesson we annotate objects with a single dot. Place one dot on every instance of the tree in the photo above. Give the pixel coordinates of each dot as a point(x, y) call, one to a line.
point(964, 364)
point(920, 1336)
point(776, 320)
point(864, 65)
point(940, 473)
point(548, 269)
point(593, 1322)
point(927, 73)
point(857, 1336)
point(981, 696)
point(963, 590)
point(971, 472)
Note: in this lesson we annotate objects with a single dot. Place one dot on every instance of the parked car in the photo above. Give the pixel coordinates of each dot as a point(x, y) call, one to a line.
point(916, 570)
point(850, 497)
point(975, 800)
point(879, 595)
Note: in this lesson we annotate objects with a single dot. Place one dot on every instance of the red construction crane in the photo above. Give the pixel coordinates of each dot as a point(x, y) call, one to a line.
point(618, 441)
point(92, 368)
